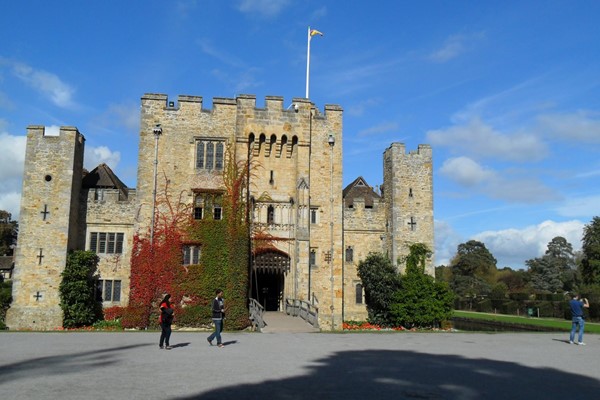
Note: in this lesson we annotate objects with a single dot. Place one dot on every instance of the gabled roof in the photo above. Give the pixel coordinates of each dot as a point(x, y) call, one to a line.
point(102, 177)
point(359, 188)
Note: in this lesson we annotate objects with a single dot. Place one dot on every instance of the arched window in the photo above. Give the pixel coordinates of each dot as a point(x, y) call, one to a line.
point(359, 293)
point(349, 254)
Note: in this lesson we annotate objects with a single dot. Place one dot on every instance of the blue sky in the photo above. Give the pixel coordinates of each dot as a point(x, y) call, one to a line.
point(506, 93)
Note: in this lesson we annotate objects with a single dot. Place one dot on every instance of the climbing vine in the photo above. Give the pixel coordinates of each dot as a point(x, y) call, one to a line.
point(156, 267)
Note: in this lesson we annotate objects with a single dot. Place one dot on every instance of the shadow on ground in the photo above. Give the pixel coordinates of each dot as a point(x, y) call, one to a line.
point(413, 375)
point(63, 364)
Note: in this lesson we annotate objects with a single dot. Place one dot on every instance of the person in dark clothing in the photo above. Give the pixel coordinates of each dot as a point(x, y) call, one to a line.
point(577, 305)
point(165, 320)
point(218, 314)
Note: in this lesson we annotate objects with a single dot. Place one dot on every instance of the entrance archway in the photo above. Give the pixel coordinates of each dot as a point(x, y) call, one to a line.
point(269, 269)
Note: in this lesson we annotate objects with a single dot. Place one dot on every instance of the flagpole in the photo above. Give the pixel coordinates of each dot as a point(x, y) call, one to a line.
point(307, 61)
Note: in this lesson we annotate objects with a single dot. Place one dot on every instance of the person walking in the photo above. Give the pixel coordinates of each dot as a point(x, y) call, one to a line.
point(577, 305)
point(218, 314)
point(165, 320)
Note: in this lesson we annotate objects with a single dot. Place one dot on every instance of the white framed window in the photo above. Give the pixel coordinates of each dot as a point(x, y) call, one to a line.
point(191, 255)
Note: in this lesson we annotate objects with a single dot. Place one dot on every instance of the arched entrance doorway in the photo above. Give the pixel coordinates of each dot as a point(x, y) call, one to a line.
point(269, 268)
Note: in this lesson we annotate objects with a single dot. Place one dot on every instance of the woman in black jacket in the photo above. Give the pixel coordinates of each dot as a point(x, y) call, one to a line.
point(165, 320)
point(218, 314)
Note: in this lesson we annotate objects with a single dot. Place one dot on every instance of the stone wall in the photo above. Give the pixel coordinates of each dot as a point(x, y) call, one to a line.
point(47, 226)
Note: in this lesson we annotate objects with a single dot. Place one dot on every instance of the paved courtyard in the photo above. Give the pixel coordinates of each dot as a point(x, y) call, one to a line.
point(129, 365)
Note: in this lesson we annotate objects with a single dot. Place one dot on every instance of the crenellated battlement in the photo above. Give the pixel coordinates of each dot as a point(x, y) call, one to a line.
point(63, 132)
point(243, 103)
point(423, 150)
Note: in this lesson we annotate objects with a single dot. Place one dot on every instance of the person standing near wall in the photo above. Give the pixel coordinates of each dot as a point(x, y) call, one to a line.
point(577, 305)
point(165, 320)
point(218, 314)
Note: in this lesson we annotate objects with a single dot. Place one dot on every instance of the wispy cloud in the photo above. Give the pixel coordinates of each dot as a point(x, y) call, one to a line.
point(265, 8)
point(383, 128)
point(209, 49)
point(504, 186)
point(477, 138)
point(582, 126)
point(454, 46)
point(48, 84)
point(583, 206)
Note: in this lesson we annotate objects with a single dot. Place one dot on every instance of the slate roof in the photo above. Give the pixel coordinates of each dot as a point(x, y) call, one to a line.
point(102, 177)
point(359, 188)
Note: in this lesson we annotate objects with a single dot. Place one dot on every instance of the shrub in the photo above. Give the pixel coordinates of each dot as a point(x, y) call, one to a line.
point(484, 305)
point(114, 325)
point(113, 313)
point(76, 289)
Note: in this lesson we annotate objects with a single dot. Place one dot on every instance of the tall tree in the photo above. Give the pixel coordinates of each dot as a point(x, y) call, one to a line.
point(420, 301)
point(380, 281)
point(8, 233)
point(590, 264)
point(555, 270)
point(473, 269)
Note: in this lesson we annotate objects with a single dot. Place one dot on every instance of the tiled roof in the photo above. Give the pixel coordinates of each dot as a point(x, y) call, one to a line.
point(359, 188)
point(103, 177)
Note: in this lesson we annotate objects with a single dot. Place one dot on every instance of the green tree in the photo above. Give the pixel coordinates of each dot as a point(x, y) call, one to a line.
point(420, 301)
point(555, 270)
point(76, 289)
point(473, 270)
point(380, 282)
point(590, 264)
point(8, 233)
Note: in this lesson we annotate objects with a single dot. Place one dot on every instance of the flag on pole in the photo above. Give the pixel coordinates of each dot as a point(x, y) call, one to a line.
point(311, 33)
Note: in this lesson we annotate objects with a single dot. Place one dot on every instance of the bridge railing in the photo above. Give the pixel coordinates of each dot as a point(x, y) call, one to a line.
point(304, 310)
point(256, 314)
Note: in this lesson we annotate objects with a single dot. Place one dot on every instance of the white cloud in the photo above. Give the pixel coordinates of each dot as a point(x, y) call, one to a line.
point(47, 83)
point(446, 242)
point(267, 8)
point(13, 156)
point(513, 187)
point(11, 202)
point(512, 247)
point(479, 139)
point(581, 126)
point(95, 156)
point(465, 171)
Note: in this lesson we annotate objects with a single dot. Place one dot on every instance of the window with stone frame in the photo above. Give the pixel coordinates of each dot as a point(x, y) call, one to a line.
point(107, 242)
point(208, 204)
point(358, 293)
point(210, 154)
point(108, 290)
point(349, 254)
point(191, 254)
point(314, 215)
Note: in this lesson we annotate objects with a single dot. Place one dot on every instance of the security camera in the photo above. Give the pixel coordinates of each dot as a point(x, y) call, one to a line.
point(295, 107)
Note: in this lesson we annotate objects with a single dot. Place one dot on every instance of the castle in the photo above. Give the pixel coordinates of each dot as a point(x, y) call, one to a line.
point(295, 193)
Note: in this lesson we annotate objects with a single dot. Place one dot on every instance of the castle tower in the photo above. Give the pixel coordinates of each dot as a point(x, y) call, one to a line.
point(47, 226)
point(408, 193)
point(295, 188)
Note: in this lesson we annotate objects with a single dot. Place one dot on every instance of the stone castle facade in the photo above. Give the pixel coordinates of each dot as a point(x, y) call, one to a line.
point(295, 192)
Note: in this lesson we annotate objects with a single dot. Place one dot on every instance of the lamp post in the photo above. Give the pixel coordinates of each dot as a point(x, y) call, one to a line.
point(157, 131)
point(331, 142)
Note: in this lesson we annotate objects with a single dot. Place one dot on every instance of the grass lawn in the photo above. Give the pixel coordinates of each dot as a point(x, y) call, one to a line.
point(590, 327)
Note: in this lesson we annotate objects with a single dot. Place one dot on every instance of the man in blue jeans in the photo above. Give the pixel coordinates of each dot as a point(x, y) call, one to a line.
point(218, 314)
point(577, 306)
